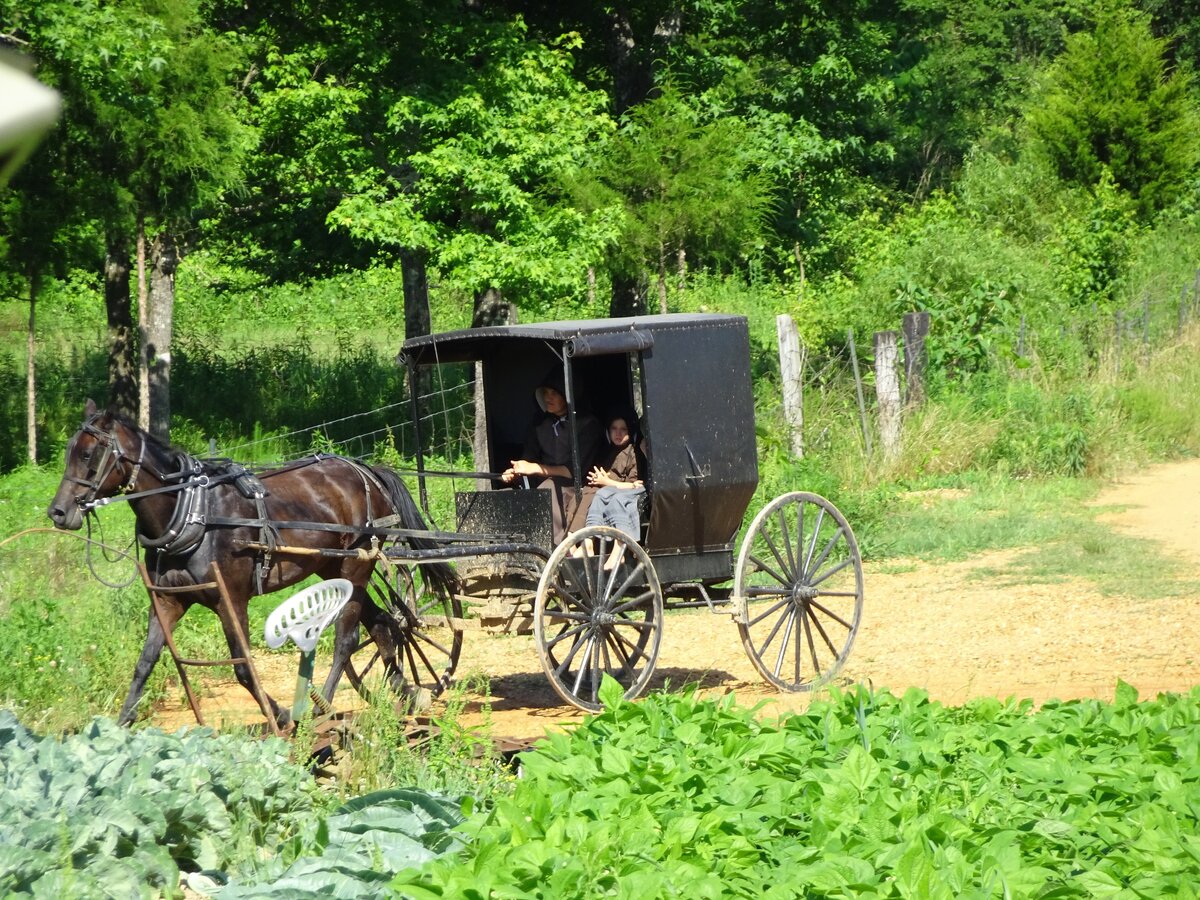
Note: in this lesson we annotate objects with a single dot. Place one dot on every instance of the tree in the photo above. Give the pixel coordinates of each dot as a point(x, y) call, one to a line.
point(682, 184)
point(149, 134)
point(473, 161)
point(1109, 104)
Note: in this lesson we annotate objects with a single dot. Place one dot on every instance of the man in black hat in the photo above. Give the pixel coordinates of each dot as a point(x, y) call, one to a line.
point(546, 457)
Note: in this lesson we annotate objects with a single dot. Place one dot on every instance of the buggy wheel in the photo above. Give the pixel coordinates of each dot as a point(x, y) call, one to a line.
point(798, 590)
point(414, 644)
point(589, 621)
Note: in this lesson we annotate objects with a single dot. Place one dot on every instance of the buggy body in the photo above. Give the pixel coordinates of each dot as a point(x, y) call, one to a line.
point(687, 377)
point(595, 602)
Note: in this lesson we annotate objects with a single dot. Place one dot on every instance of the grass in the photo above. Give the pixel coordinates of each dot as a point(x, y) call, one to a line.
point(450, 758)
point(1011, 463)
point(1052, 521)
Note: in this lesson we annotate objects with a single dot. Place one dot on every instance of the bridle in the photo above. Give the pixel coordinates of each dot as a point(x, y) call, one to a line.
point(112, 455)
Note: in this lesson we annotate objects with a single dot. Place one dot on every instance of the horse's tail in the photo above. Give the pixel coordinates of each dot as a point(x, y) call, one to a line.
point(440, 576)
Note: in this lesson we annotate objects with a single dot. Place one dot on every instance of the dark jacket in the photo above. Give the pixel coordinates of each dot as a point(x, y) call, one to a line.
point(551, 445)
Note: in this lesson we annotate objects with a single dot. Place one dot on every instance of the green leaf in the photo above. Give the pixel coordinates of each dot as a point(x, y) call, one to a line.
point(611, 693)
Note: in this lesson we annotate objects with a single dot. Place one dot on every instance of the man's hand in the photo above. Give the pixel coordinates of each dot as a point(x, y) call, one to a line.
point(519, 467)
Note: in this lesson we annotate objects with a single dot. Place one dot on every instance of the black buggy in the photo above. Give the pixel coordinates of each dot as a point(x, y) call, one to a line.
point(793, 585)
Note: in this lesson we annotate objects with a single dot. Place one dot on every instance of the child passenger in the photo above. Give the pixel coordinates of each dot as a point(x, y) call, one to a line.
point(615, 485)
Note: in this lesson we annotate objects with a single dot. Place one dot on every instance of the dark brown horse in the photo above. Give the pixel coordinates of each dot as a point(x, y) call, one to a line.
point(191, 513)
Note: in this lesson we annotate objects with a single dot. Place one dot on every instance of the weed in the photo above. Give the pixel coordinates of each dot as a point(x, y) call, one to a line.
point(450, 758)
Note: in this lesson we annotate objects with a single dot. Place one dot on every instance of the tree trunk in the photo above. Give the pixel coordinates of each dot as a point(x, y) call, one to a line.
point(30, 371)
point(122, 380)
point(490, 309)
point(633, 57)
point(159, 325)
point(662, 279)
point(628, 297)
point(143, 348)
point(417, 318)
point(632, 77)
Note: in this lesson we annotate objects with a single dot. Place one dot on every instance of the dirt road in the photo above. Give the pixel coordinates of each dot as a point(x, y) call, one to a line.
point(946, 628)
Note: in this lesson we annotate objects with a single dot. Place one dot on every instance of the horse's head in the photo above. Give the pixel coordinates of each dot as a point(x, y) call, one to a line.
point(103, 459)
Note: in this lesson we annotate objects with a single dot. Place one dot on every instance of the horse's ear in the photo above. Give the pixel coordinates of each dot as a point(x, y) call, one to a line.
point(89, 408)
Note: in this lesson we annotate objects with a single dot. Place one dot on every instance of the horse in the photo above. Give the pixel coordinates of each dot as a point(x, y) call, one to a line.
point(191, 513)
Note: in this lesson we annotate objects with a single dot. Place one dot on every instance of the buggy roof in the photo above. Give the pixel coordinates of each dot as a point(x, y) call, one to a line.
point(582, 337)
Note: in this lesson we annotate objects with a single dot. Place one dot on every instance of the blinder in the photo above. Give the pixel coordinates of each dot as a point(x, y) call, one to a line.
point(99, 470)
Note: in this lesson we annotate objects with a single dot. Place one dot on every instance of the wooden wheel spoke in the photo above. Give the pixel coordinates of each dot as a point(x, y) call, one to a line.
point(829, 573)
point(577, 599)
point(637, 575)
point(418, 648)
point(424, 637)
point(584, 665)
point(362, 673)
point(824, 636)
point(564, 666)
point(780, 559)
point(768, 611)
point(792, 559)
point(809, 622)
point(764, 567)
point(647, 625)
point(410, 655)
point(594, 673)
point(783, 645)
point(774, 630)
point(831, 614)
point(634, 603)
point(612, 573)
point(820, 561)
point(812, 545)
point(619, 643)
point(604, 654)
point(566, 633)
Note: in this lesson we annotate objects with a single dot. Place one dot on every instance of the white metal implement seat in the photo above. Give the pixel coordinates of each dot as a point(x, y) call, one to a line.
point(302, 617)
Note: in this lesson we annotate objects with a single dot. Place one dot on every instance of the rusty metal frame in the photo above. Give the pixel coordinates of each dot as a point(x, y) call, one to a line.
point(229, 621)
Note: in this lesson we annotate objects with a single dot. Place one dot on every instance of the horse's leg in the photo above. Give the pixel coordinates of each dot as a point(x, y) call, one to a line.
point(345, 640)
point(234, 639)
point(383, 631)
point(171, 612)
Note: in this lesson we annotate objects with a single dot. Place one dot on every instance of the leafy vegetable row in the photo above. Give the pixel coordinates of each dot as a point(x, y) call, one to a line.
point(865, 795)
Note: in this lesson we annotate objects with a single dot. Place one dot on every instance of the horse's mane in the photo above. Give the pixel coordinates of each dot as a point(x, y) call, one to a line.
point(175, 455)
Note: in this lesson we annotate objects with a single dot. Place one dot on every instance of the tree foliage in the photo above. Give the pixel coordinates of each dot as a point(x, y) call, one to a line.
point(472, 175)
point(1110, 105)
point(682, 184)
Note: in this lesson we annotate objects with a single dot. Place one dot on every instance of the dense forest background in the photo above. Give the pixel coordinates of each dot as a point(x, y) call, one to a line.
point(245, 208)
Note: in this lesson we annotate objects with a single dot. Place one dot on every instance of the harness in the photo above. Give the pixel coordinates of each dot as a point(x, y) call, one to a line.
point(191, 520)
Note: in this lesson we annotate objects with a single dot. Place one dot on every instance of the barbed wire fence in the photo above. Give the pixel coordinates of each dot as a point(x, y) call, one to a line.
point(1103, 341)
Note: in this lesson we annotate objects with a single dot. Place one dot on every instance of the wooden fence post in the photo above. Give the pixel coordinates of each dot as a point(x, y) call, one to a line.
point(916, 329)
point(887, 392)
point(791, 369)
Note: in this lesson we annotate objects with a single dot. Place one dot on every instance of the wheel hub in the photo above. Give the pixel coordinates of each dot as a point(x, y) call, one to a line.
point(804, 594)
